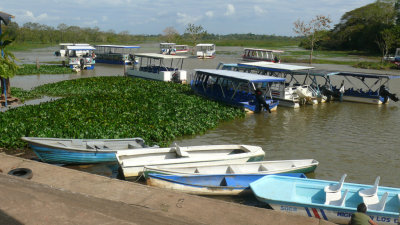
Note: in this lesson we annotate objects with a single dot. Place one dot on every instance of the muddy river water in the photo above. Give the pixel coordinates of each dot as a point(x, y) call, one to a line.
point(361, 140)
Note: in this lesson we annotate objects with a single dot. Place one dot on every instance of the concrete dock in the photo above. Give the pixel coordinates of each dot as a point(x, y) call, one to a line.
point(58, 195)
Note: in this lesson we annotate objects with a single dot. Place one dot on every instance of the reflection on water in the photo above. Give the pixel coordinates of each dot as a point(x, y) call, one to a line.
point(361, 140)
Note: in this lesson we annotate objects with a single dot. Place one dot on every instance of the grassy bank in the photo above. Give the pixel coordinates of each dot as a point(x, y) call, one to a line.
point(114, 107)
point(27, 46)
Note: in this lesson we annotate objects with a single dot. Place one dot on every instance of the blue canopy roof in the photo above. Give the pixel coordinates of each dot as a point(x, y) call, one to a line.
point(366, 75)
point(255, 78)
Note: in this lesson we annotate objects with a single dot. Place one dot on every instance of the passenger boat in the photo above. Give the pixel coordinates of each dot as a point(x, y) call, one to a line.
point(80, 57)
point(63, 49)
point(81, 151)
point(328, 200)
point(205, 51)
point(261, 167)
point(232, 184)
point(167, 48)
point(161, 67)
point(181, 48)
point(256, 54)
point(293, 93)
point(132, 162)
point(115, 54)
point(376, 87)
point(235, 88)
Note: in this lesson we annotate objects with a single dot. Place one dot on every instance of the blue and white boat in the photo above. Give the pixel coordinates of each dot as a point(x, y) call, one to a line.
point(115, 54)
point(80, 57)
point(80, 151)
point(235, 88)
point(365, 88)
point(224, 184)
point(294, 92)
point(328, 200)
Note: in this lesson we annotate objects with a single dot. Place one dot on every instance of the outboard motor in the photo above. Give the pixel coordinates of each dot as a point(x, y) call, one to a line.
point(176, 78)
point(326, 91)
point(384, 93)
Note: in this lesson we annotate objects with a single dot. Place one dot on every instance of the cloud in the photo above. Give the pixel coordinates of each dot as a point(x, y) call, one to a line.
point(184, 19)
point(90, 23)
point(259, 11)
point(104, 18)
point(210, 14)
point(230, 10)
point(29, 16)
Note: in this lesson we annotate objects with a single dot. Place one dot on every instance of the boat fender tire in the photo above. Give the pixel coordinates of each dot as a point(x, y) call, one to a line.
point(24, 173)
point(82, 61)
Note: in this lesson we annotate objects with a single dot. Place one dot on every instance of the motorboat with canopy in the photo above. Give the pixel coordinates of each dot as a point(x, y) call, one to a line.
point(115, 54)
point(161, 67)
point(236, 88)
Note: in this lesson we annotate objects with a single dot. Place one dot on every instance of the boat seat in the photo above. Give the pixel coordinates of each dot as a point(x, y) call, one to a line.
point(336, 198)
point(333, 188)
point(96, 145)
point(134, 145)
point(180, 153)
point(76, 142)
point(370, 191)
point(373, 202)
point(262, 168)
point(232, 170)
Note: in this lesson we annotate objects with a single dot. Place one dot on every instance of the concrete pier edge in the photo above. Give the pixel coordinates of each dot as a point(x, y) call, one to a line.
point(158, 204)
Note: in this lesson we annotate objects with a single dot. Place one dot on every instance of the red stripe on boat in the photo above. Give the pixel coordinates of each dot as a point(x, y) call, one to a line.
point(316, 214)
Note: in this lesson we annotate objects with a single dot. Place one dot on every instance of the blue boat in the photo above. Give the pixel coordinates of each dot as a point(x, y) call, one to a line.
point(80, 151)
point(365, 88)
point(236, 88)
point(223, 184)
point(328, 200)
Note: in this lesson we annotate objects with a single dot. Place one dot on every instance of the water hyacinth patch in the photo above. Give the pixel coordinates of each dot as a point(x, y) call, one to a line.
point(114, 107)
point(28, 69)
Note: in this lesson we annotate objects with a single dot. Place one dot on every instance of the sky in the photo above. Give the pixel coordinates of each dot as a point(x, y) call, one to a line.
point(271, 17)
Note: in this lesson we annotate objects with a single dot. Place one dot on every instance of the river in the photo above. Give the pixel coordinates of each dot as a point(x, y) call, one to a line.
point(360, 140)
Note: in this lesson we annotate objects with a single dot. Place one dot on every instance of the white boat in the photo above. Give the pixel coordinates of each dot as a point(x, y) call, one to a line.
point(161, 67)
point(205, 51)
point(261, 167)
point(63, 49)
point(115, 54)
point(80, 57)
point(256, 54)
point(167, 48)
point(132, 162)
point(181, 48)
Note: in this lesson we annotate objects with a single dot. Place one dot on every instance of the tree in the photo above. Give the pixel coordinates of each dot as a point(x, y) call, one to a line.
point(195, 32)
point(385, 41)
point(171, 35)
point(312, 30)
point(8, 67)
point(357, 29)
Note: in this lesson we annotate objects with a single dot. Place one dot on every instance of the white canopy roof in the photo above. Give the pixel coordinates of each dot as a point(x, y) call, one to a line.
point(81, 47)
point(159, 56)
point(276, 66)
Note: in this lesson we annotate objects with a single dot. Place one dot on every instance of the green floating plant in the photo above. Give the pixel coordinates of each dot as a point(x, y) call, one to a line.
point(114, 107)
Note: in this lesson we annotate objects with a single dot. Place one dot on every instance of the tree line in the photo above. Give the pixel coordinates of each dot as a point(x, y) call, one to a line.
point(373, 28)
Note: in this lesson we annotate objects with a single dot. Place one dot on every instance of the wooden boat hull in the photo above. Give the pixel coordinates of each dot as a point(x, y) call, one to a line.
point(57, 154)
point(209, 184)
point(260, 167)
point(132, 162)
point(307, 198)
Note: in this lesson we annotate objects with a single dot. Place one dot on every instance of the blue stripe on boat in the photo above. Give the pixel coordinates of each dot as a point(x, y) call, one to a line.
point(323, 214)
point(60, 156)
point(308, 212)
